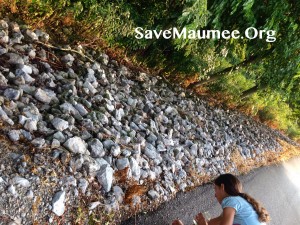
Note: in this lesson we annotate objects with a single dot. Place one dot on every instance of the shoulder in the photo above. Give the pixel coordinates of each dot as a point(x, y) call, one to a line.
point(232, 202)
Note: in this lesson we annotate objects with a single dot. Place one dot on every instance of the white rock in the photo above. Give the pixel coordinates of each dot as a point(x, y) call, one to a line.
point(69, 181)
point(105, 177)
point(119, 113)
point(4, 38)
point(90, 87)
point(104, 58)
point(96, 147)
point(3, 80)
point(68, 108)
point(118, 192)
point(135, 168)
point(55, 143)
point(115, 150)
point(150, 151)
point(22, 119)
point(81, 109)
point(110, 107)
point(30, 125)
point(151, 175)
point(67, 58)
point(29, 194)
point(1, 180)
point(59, 136)
point(42, 96)
point(38, 142)
point(14, 135)
point(153, 194)
point(76, 145)
point(21, 181)
point(82, 185)
point(3, 25)
point(28, 79)
point(58, 203)
point(11, 189)
point(93, 205)
point(60, 124)
point(93, 166)
point(101, 162)
point(27, 69)
point(32, 35)
point(122, 163)
point(26, 134)
point(12, 94)
point(5, 118)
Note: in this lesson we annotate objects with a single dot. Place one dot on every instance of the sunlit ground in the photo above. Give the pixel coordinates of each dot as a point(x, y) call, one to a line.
point(292, 169)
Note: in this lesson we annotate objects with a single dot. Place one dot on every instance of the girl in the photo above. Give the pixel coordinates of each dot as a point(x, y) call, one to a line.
point(238, 208)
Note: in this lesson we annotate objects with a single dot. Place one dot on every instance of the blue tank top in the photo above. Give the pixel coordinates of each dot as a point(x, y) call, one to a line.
point(244, 212)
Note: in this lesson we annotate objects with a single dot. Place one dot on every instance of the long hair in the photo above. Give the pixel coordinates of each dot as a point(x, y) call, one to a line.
point(233, 187)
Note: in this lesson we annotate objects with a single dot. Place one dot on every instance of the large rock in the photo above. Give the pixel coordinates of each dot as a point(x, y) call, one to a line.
point(96, 147)
point(30, 34)
point(14, 135)
point(108, 144)
point(153, 194)
point(58, 203)
point(30, 125)
point(68, 58)
point(119, 194)
point(14, 59)
point(69, 109)
point(122, 163)
point(150, 151)
point(12, 94)
point(3, 25)
point(76, 145)
point(3, 80)
point(42, 96)
point(81, 109)
point(105, 177)
point(82, 185)
point(135, 168)
point(60, 124)
point(21, 181)
point(5, 118)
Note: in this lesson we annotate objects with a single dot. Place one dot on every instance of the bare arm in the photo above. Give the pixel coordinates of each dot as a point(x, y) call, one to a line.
point(228, 216)
point(201, 220)
point(215, 221)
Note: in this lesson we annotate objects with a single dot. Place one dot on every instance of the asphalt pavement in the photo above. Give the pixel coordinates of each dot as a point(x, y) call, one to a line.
point(277, 187)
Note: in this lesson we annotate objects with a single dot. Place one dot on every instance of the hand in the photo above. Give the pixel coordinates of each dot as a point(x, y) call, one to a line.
point(200, 220)
point(177, 222)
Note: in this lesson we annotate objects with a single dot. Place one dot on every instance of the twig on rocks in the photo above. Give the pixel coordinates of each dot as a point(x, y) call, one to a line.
point(53, 55)
point(56, 65)
point(66, 50)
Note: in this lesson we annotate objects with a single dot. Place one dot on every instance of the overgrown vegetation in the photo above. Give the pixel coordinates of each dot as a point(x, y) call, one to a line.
point(260, 78)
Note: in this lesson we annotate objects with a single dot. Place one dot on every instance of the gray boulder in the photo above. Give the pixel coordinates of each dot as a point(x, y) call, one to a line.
point(42, 96)
point(12, 94)
point(105, 177)
point(60, 124)
point(76, 145)
point(58, 203)
point(122, 163)
point(96, 147)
